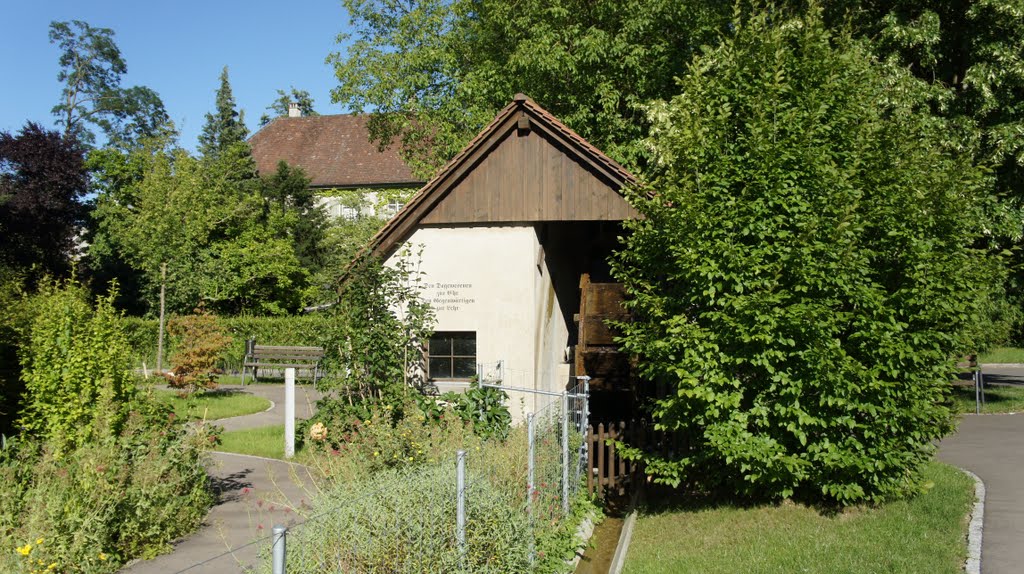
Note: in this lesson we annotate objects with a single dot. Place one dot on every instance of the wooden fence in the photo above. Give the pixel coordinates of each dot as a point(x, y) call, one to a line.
point(610, 473)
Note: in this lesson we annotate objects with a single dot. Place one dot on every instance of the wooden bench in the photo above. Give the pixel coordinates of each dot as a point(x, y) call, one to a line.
point(277, 357)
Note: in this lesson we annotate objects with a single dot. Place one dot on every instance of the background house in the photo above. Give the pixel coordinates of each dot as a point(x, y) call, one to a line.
point(352, 176)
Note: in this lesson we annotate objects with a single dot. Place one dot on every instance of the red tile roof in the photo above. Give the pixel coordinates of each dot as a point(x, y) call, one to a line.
point(334, 151)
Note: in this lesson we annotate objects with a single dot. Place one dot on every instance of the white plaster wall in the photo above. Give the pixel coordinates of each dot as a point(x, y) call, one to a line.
point(486, 280)
point(552, 337)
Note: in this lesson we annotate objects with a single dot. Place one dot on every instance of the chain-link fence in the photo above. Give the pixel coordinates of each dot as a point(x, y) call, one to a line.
point(484, 510)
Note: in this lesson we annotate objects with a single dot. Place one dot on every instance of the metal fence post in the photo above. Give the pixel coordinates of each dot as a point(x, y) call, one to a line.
point(460, 507)
point(565, 452)
point(530, 439)
point(280, 536)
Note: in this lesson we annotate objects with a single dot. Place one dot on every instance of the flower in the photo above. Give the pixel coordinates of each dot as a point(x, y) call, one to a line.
point(24, 550)
point(318, 432)
point(103, 556)
point(39, 540)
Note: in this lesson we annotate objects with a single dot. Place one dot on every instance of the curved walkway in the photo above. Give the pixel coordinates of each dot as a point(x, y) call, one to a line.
point(253, 494)
point(992, 446)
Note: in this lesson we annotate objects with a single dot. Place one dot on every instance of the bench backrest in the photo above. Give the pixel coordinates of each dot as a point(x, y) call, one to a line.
point(287, 353)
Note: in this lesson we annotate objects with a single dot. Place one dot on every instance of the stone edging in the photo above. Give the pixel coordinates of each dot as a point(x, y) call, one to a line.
point(619, 558)
point(974, 529)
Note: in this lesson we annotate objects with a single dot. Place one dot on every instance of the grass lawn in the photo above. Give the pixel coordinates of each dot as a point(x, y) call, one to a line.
point(212, 405)
point(1002, 355)
point(263, 441)
point(924, 534)
point(998, 398)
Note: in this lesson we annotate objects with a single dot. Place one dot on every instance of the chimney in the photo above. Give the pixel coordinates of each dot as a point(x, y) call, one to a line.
point(294, 111)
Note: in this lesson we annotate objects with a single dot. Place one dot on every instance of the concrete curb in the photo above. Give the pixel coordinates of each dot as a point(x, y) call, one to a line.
point(266, 410)
point(619, 558)
point(583, 532)
point(974, 529)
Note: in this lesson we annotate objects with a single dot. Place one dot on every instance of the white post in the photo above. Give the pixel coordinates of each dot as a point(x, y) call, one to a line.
point(289, 412)
point(278, 549)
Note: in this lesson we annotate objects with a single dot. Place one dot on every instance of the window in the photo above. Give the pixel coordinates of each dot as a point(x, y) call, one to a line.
point(451, 355)
point(348, 212)
point(392, 207)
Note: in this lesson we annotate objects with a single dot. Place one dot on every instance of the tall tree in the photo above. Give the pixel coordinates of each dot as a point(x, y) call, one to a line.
point(43, 184)
point(805, 275)
point(279, 108)
point(292, 212)
point(207, 222)
point(435, 71)
point(225, 127)
point(91, 68)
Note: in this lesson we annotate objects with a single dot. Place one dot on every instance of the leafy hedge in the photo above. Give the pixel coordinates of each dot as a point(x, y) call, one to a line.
point(314, 329)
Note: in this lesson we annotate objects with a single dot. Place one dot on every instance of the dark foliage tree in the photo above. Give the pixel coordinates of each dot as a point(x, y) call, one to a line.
point(43, 183)
point(293, 212)
point(805, 275)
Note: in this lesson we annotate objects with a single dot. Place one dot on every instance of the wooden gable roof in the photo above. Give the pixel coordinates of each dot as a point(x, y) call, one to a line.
point(525, 166)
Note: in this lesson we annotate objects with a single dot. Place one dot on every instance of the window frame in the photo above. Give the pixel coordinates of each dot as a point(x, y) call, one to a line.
point(451, 356)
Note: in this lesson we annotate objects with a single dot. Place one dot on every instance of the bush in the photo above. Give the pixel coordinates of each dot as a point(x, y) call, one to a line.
point(805, 268)
point(92, 508)
point(200, 341)
point(404, 521)
point(74, 368)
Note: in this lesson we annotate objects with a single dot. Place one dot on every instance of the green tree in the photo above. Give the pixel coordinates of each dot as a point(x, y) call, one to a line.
point(435, 72)
point(804, 274)
point(225, 127)
point(204, 218)
point(91, 67)
point(279, 108)
point(293, 213)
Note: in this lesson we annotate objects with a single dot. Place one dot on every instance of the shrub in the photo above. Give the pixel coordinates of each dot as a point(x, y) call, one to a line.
point(403, 520)
point(92, 508)
point(805, 268)
point(200, 342)
point(482, 407)
point(74, 368)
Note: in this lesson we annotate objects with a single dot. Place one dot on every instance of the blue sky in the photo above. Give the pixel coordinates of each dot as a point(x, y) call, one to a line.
point(178, 49)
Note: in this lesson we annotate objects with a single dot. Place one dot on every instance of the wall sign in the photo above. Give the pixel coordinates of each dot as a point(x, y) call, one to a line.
point(449, 296)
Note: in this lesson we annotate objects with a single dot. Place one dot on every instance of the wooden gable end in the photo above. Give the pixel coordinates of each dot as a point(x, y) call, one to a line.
point(525, 166)
point(528, 175)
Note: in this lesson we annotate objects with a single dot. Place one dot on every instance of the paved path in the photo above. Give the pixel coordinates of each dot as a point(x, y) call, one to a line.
point(992, 446)
point(253, 495)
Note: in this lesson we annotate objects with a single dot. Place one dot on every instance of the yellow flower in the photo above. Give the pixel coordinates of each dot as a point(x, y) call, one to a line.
point(52, 566)
point(24, 550)
point(375, 453)
point(103, 556)
point(39, 540)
